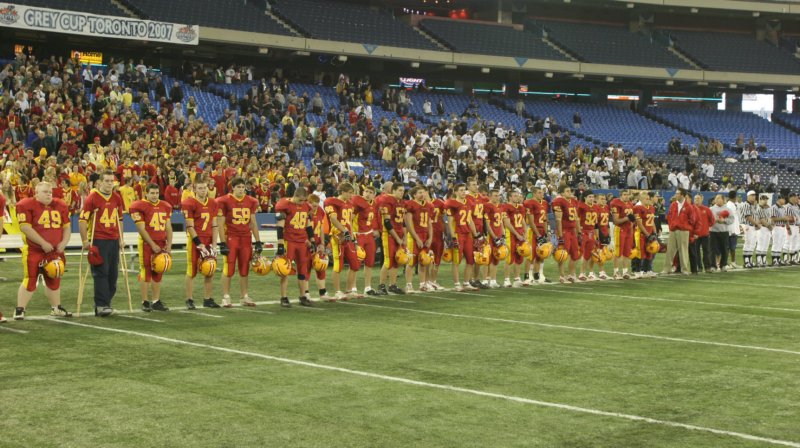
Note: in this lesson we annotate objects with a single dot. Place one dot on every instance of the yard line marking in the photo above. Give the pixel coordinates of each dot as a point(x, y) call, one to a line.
point(699, 302)
point(434, 297)
point(13, 330)
point(252, 311)
point(128, 316)
point(385, 298)
point(446, 387)
point(765, 285)
point(198, 313)
point(590, 330)
point(471, 294)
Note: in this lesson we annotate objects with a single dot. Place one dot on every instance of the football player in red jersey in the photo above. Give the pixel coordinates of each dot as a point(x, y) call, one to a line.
point(493, 213)
point(477, 196)
point(2, 218)
point(437, 242)
point(365, 228)
point(200, 213)
point(589, 220)
point(153, 222)
point(420, 232)
point(565, 207)
point(319, 221)
point(646, 232)
point(624, 219)
point(236, 223)
point(392, 210)
point(295, 242)
point(538, 231)
point(45, 226)
point(462, 229)
point(514, 220)
point(340, 214)
point(103, 207)
point(603, 230)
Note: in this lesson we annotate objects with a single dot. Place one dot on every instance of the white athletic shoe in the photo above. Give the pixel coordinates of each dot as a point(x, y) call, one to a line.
point(507, 283)
point(602, 275)
point(226, 301)
point(494, 284)
point(617, 277)
point(410, 289)
point(247, 301)
point(591, 277)
point(423, 287)
point(562, 279)
point(340, 296)
point(468, 287)
point(458, 288)
point(517, 283)
point(437, 286)
point(582, 278)
point(355, 295)
point(571, 279)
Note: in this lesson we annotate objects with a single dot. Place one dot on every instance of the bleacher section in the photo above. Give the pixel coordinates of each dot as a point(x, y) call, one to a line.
point(92, 6)
point(350, 23)
point(227, 14)
point(726, 126)
point(608, 44)
point(734, 52)
point(473, 37)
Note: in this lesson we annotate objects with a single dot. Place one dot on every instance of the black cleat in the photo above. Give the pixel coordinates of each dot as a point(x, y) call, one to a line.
point(394, 289)
point(146, 307)
point(60, 311)
point(19, 313)
point(382, 290)
point(190, 304)
point(305, 302)
point(210, 303)
point(158, 305)
point(285, 302)
point(479, 284)
point(373, 292)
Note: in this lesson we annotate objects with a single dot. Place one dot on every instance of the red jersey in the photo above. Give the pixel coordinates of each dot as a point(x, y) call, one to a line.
point(294, 228)
point(539, 211)
point(478, 204)
point(58, 193)
point(172, 196)
point(647, 215)
point(343, 211)
point(108, 212)
point(366, 215)
point(23, 191)
point(569, 212)
point(622, 209)
point(437, 211)
point(516, 214)
point(47, 220)
point(389, 205)
point(200, 214)
point(460, 214)
point(420, 217)
point(319, 222)
point(154, 216)
point(589, 217)
point(494, 215)
point(604, 215)
point(237, 214)
point(263, 196)
point(2, 206)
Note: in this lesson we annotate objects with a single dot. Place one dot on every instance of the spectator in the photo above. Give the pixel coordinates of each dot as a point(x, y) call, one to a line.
point(681, 218)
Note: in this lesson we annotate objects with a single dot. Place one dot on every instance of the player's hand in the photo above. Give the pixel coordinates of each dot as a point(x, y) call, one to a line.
point(223, 248)
point(348, 236)
point(310, 245)
point(86, 245)
point(521, 238)
point(541, 240)
point(281, 250)
point(203, 251)
point(47, 247)
point(631, 217)
point(499, 241)
point(652, 237)
point(561, 241)
point(61, 247)
point(320, 249)
point(399, 241)
point(428, 243)
point(258, 247)
point(454, 244)
point(155, 248)
point(168, 250)
point(419, 242)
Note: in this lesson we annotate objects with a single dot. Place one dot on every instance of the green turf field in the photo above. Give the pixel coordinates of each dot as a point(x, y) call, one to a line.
point(705, 361)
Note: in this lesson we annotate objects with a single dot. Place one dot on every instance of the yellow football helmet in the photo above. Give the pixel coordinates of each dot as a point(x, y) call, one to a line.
point(361, 253)
point(401, 257)
point(544, 251)
point(634, 253)
point(161, 263)
point(447, 255)
point(480, 258)
point(653, 247)
point(608, 255)
point(208, 266)
point(597, 256)
point(261, 266)
point(500, 253)
point(561, 255)
point(425, 257)
point(320, 262)
point(524, 249)
point(54, 268)
point(281, 266)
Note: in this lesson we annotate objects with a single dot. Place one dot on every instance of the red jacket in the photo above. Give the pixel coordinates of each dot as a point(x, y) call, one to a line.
point(703, 222)
point(683, 220)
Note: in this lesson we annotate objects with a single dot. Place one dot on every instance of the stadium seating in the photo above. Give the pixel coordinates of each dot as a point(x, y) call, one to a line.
point(350, 23)
point(609, 44)
point(734, 52)
point(480, 38)
point(228, 14)
point(91, 6)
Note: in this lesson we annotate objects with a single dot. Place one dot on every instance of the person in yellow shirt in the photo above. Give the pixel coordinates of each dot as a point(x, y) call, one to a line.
point(128, 193)
point(127, 98)
point(187, 192)
point(76, 178)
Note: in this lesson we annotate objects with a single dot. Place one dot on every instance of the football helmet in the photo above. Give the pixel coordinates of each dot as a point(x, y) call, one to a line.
point(161, 263)
point(500, 253)
point(425, 257)
point(208, 266)
point(261, 265)
point(544, 251)
point(561, 255)
point(54, 268)
point(281, 266)
point(401, 257)
point(524, 249)
point(320, 262)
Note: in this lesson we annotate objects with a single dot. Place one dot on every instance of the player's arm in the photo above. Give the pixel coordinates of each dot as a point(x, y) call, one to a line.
point(507, 224)
point(169, 235)
point(559, 229)
point(280, 221)
point(83, 221)
point(254, 226)
point(409, 221)
point(142, 229)
point(430, 234)
point(387, 225)
point(640, 225)
point(33, 235)
point(472, 231)
point(530, 218)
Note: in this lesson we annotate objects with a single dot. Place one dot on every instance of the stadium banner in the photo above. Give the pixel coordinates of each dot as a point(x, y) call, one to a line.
point(86, 24)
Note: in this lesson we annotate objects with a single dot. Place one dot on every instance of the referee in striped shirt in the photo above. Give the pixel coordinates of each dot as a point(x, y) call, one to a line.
point(763, 214)
point(780, 220)
point(751, 226)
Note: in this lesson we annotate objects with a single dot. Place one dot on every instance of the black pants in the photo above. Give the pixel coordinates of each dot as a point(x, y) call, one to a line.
point(694, 257)
point(105, 275)
point(702, 253)
point(719, 248)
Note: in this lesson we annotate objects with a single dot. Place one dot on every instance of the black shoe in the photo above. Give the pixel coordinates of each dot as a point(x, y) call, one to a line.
point(479, 284)
point(104, 311)
point(373, 292)
point(146, 306)
point(382, 290)
point(19, 313)
point(60, 311)
point(547, 281)
point(158, 305)
point(210, 303)
point(285, 302)
point(190, 304)
point(305, 302)
point(394, 289)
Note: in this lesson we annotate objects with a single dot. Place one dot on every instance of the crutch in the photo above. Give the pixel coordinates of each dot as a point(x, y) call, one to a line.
point(124, 263)
point(82, 276)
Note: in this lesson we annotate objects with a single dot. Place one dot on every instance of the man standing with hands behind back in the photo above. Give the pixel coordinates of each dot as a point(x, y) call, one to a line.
point(680, 218)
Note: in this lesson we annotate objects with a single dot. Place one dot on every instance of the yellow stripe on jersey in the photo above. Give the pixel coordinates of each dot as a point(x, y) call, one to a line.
point(24, 266)
point(189, 257)
point(337, 265)
point(616, 241)
point(142, 270)
point(387, 257)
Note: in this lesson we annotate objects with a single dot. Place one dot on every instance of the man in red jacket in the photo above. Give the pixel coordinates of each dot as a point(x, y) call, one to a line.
point(700, 231)
point(681, 217)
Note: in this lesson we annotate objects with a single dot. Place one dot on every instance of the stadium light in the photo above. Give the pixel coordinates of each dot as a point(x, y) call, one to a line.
point(415, 64)
point(702, 83)
point(610, 78)
point(548, 75)
point(263, 50)
point(450, 67)
point(670, 82)
point(733, 86)
point(485, 70)
point(630, 5)
point(756, 14)
point(694, 10)
point(342, 58)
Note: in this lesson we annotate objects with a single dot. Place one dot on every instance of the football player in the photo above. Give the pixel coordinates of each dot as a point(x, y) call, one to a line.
point(565, 208)
point(154, 224)
point(477, 198)
point(392, 211)
point(236, 224)
point(646, 232)
point(514, 221)
point(463, 235)
point(589, 219)
point(538, 231)
point(200, 213)
point(603, 231)
point(295, 242)
point(623, 219)
point(437, 242)
point(494, 214)
point(340, 215)
point(320, 223)
point(366, 229)
point(420, 232)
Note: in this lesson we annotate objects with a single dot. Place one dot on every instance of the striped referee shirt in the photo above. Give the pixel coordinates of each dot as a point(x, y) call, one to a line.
point(763, 215)
point(793, 211)
point(747, 209)
point(779, 212)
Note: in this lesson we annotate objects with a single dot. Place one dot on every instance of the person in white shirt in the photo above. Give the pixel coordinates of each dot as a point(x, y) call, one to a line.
point(481, 153)
point(479, 139)
point(426, 107)
point(684, 180)
point(229, 74)
point(602, 177)
point(707, 168)
point(500, 132)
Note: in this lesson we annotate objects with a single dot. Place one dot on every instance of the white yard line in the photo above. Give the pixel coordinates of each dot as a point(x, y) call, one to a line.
point(128, 316)
point(430, 296)
point(198, 313)
point(462, 390)
point(384, 298)
point(248, 310)
point(590, 330)
point(12, 330)
point(762, 285)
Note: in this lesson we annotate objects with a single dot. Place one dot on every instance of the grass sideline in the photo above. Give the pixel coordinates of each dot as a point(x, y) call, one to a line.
point(714, 352)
